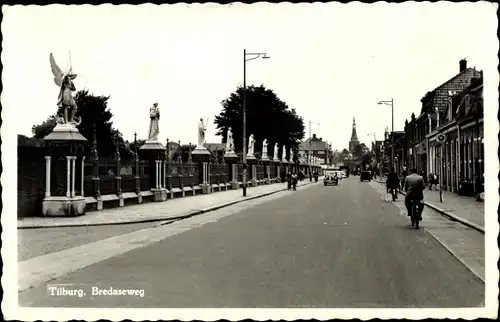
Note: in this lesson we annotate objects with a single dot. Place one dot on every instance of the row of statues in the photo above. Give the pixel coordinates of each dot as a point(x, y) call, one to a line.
point(251, 147)
point(68, 108)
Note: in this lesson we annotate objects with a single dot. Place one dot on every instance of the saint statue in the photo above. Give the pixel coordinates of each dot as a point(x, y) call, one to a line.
point(275, 151)
point(154, 122)
point(283, 156)
point(65, 101)
point(229, 141)
point(291, 154)
point(201, 133)
point(264, 149)
point(251, 143)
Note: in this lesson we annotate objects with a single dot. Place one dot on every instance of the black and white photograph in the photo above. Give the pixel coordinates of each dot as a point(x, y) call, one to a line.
point(259, 161)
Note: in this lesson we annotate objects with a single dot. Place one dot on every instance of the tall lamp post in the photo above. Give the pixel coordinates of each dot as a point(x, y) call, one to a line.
point(391, 103)
point(245, 59)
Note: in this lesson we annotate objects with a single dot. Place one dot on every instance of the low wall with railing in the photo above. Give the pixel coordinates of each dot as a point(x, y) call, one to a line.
point(115, 182)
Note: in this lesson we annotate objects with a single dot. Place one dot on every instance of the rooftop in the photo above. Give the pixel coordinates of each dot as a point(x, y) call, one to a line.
point(440, 95)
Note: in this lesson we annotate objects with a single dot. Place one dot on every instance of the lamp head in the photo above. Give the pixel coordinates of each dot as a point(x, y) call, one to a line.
point(265, 56)
point(380, 103)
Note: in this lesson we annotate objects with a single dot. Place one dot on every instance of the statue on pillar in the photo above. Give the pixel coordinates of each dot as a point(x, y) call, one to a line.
point(275, 152)
point(264, 149)
point(251, 144)
point(65, 101)
point(229, 141)
point(291, 155)
point(154, 123)
point(201, 133)
point(283, 155)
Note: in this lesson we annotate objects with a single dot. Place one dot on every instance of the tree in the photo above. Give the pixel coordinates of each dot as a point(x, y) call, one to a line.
point(183, 152)
point(360, 151)
point(132, 145)
point(267, 117)
point(94, 113)
point(344, 155)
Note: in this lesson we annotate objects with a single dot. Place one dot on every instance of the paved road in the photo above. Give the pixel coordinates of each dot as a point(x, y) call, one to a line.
point(41, 241)
point(335, 247)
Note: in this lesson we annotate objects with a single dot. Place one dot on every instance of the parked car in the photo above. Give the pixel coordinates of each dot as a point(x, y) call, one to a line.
point(365, 175)
point(331, 179)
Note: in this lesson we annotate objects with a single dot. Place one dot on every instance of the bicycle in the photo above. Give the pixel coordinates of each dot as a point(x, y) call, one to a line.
point(415, 214)
point(394, 193)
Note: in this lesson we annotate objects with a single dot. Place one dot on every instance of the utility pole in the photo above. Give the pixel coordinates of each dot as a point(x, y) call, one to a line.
point(244, 123)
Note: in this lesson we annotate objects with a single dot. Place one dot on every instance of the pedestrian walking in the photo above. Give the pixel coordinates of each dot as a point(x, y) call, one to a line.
point(294, 181)
point(392, 184)
point(289, 180)
point(433, 180)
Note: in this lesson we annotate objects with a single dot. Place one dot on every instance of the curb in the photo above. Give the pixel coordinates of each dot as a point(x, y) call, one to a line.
point(447, 215)
point(171, 219)
point(454, 254)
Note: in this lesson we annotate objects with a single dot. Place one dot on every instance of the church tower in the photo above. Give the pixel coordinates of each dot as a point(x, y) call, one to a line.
point(354, 136)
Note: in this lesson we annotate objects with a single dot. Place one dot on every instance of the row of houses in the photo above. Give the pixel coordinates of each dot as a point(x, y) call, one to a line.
point(446, 138)
point(316, 150)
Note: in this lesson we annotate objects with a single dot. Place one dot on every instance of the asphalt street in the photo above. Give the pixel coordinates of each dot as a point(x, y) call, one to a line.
point(337, 247)
point(41, 241)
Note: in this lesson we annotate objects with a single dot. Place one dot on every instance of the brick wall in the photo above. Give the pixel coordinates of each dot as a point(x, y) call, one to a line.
point(30, 181)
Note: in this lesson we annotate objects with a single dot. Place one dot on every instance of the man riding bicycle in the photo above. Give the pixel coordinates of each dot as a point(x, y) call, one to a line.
point(414, 186)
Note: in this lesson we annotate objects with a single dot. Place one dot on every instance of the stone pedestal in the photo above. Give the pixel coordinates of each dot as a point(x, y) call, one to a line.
point(230, 156)
point(231, 160)
point(155, 153)
point(63, 187)
point(206, 187)
point(251, 158)
point(253, 180)
point(268, 173)
point(200, 154)
point(159, 194)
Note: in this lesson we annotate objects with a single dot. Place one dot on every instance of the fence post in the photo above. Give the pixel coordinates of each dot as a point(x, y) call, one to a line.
point(180, 175)
point(168, 172)
point(137, 172)
point(191, 175)
point(95, 175)
point(118, 176)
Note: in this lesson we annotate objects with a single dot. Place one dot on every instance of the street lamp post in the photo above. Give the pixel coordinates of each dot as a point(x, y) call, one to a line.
point(391, 103)
point(256, 55)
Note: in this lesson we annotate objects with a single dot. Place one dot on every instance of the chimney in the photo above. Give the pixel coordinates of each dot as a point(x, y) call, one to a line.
point(314, 136)
point(321, 139)
point(463, 65)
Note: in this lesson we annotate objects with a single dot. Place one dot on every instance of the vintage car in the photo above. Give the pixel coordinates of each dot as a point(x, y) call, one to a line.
point(331, 179)
point(365, 175)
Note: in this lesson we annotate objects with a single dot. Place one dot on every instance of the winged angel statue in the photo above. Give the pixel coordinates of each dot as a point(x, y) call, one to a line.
point(65, 100)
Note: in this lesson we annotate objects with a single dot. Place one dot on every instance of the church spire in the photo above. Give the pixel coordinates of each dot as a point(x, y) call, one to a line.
point(354, 136)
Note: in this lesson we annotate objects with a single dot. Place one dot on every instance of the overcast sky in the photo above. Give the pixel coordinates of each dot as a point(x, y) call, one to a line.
point(331, 62)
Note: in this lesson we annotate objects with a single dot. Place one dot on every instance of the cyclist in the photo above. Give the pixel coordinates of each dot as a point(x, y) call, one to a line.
point(414, 187)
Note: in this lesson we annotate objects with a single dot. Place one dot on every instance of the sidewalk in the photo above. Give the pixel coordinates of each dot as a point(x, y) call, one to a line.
point(465, 209)
point(156, 211)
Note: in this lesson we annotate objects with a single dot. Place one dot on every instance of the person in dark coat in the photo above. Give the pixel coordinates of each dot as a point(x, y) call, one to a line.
point(392, 182)
point(289, 180)
point(294, 182)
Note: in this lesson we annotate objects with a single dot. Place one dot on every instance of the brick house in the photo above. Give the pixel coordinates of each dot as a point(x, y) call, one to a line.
point(456, 144)
point(317, 150)
point(434, 108)
point(446, 137)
